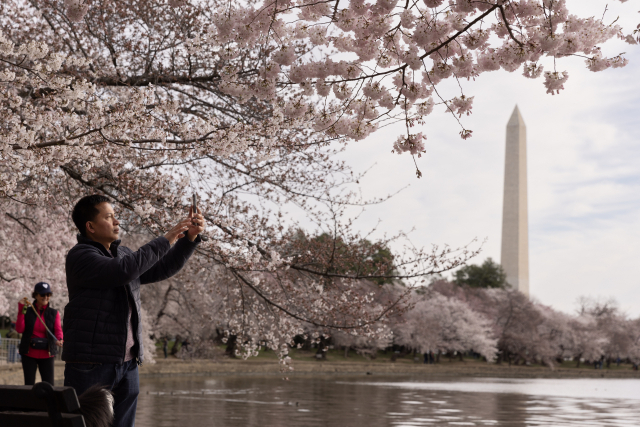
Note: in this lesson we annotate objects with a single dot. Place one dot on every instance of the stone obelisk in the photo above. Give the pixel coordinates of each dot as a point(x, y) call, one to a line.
point(515, 224)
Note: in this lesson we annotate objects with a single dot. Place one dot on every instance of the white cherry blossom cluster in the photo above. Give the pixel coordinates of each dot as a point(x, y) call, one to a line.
point(412, 143)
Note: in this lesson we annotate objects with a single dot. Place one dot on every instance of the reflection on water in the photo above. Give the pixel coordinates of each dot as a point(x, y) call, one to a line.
point(401, 401)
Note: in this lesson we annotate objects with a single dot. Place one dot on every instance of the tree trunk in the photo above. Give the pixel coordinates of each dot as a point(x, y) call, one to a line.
point(231, 346)
point(461, 358)
point(321, 353)
point(346, 351)
point(176, 345)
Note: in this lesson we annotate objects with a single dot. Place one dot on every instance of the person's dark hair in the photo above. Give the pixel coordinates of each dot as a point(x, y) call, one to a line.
point(96, 406)
point(85, 210)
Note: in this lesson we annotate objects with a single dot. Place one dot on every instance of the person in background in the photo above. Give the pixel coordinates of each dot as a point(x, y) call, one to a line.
point(37, 348)
point(12, 332)
point(12, 351)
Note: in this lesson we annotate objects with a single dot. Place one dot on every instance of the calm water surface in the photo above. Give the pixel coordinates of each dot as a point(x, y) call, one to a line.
point(378, 400)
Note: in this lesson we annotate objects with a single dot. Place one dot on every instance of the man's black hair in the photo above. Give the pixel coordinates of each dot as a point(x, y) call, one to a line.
point(85, 210)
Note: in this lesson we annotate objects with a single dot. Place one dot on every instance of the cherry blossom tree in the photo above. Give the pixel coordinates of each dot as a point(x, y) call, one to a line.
point(436, 323)
point(527, 331)
point(211, 305)
point(612, 324)
point(34, 244)
point(245, 103)
point(589, 342)
point(559, 331)
point(367, 346)
point(634, 350)
point(216, 78)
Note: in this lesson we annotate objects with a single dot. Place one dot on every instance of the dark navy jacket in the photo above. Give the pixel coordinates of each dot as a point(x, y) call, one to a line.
point(101, 286)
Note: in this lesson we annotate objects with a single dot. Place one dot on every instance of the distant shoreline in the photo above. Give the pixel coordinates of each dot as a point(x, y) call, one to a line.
point(172, 367)
point(404, 367)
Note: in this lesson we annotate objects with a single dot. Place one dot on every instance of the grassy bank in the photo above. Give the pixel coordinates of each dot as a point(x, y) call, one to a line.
point(338, 356)
point(305, 363)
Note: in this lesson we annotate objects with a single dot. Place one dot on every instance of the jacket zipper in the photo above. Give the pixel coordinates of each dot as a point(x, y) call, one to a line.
point(126, 326)
point(132, 305)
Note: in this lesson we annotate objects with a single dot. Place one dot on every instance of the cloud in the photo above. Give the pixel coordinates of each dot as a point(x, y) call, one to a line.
point(584, 179)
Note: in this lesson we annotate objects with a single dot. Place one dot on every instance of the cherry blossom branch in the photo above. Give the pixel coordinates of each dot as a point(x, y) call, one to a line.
point(508, 26)
point(6, 279)
point(360, 325)
point(136, 81)
point(21, 223)
point(440, 46)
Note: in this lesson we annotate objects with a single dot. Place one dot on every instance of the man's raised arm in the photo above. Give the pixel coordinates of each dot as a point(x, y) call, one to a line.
point(177, 257)
point(88, 267)
point(172, 262)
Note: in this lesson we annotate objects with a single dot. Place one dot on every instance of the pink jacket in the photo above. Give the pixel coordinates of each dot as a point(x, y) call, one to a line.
point(38, 332)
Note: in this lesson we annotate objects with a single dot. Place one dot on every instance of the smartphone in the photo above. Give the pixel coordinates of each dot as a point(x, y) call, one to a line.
point(194, 205)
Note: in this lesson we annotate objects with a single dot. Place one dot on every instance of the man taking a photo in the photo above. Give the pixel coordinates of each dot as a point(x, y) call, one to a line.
point(103, 335)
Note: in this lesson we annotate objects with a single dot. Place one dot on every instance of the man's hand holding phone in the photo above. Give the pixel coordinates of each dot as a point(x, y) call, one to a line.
point(178, 231)
point(191, 227)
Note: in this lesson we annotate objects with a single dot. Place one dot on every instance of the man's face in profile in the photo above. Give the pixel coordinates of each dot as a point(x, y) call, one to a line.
point(105, 227)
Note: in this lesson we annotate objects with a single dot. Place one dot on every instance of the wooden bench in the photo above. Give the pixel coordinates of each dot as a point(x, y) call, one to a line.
point(40, 405)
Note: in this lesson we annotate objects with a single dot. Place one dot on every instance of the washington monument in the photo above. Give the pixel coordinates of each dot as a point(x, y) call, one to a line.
point(515, 225)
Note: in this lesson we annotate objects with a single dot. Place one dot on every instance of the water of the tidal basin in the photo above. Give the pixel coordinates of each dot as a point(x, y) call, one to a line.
point(378, 400)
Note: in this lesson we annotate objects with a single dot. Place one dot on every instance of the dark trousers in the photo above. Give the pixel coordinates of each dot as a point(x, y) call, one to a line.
point(30, 365)
point(122, 380)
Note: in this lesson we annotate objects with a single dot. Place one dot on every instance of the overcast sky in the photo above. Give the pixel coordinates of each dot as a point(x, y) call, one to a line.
point(584, 174)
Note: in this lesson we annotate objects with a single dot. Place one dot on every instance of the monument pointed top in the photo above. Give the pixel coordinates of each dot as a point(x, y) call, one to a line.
point(516, 118)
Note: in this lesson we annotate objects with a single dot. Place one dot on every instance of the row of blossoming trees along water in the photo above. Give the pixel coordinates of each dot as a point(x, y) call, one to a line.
point(476, 312)
point(444, 318)
point(246, 104)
